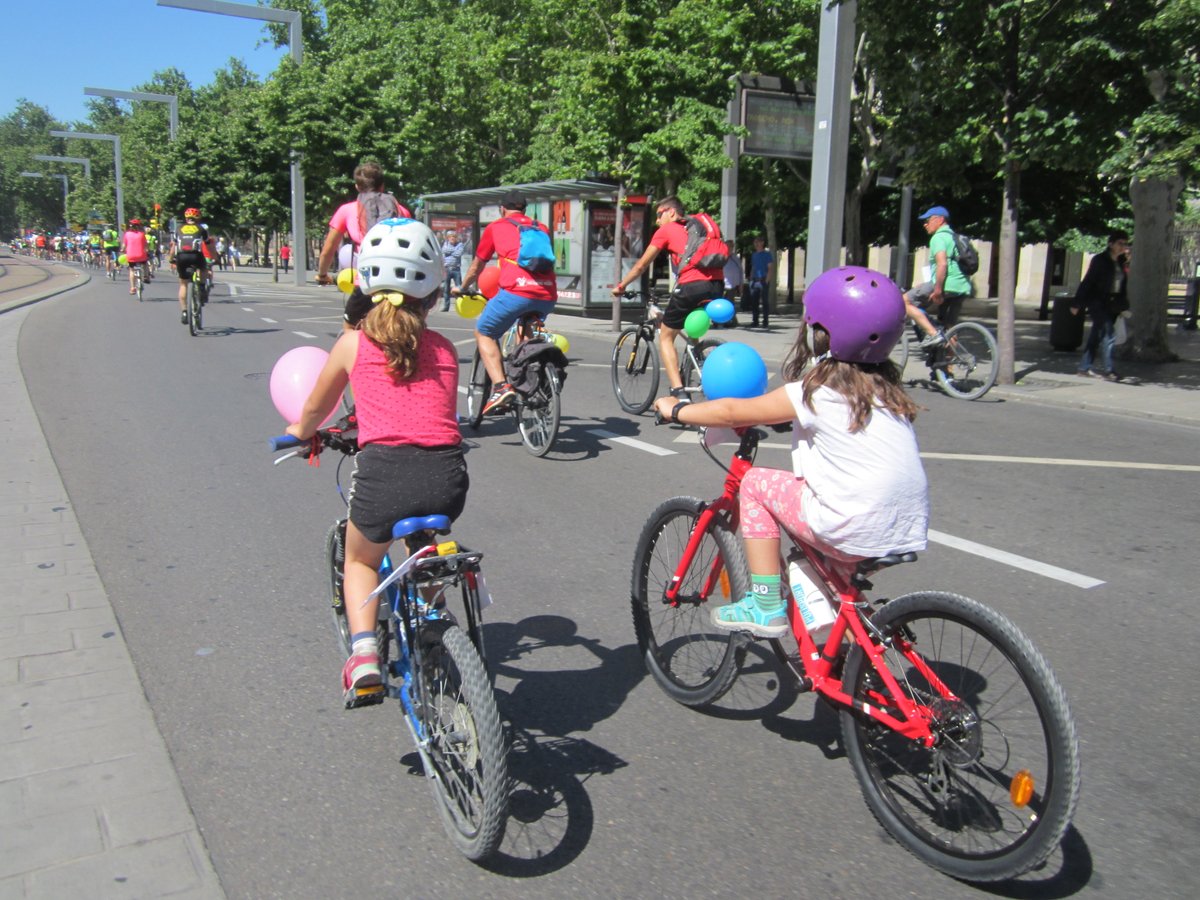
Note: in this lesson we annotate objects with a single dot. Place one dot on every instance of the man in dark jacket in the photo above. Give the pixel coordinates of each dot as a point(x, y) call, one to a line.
point(1102, 293)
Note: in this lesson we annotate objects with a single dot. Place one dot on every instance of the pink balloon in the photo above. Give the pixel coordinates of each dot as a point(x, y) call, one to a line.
point(293, 378)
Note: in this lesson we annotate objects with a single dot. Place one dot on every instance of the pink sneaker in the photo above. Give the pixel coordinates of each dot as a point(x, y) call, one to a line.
point(362, 684)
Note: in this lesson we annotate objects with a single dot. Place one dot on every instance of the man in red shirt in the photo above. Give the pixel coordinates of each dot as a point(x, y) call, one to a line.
point(521, 292)
point(694, 286)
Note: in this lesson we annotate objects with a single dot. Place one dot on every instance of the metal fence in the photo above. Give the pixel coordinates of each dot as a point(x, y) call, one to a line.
point(1185, 255)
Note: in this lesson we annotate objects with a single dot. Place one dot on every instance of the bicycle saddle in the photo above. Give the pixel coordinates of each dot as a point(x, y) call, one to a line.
point(412, 524)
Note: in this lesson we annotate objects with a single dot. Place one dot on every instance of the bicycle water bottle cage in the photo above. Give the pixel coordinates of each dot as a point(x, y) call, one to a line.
point(405, 527)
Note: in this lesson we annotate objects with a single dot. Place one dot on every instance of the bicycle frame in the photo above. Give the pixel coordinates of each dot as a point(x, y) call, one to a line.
point(819, 663)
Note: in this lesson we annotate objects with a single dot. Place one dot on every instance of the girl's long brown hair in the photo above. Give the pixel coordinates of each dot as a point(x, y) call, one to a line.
point(397, 331)
point(864, 385)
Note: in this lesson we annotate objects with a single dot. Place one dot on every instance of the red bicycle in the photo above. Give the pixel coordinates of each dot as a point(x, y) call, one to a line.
point(958, 732)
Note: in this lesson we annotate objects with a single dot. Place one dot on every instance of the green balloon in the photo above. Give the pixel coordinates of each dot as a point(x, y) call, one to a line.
point(696, 324)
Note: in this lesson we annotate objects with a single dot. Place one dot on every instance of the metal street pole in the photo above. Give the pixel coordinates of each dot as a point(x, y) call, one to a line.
point(296, 45)
point(831, 142)
point(172, 101)
point(116, 142)
point(81, 160)
point(66, 223)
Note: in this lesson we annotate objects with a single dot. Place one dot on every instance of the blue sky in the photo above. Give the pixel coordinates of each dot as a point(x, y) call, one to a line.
point(53, 50)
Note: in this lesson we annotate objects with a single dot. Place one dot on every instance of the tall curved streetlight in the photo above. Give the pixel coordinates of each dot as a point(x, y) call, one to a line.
point(81, 160)
point(116, 142)
point(171, 100)
point(296, 46)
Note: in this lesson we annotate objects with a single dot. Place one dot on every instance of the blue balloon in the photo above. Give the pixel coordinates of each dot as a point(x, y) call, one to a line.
point(719, 310)
point(733, 370)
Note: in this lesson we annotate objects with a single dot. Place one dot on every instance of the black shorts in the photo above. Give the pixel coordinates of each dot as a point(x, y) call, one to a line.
point(393, 483)
point(688, 297)
point(188, 260)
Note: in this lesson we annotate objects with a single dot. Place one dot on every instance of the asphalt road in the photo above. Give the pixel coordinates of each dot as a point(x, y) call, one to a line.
point(212, 560)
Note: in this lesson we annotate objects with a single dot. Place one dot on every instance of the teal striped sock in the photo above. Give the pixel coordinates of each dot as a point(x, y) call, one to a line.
point(768, 592)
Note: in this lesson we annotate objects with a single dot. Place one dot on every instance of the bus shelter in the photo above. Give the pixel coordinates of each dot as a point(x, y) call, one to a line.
point(582, 218)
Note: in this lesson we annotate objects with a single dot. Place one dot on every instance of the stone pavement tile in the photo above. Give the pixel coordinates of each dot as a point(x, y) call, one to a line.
point(10, 672)
point(147, 817)
point(66, 620)
point(163, 868)
point(78, 662)
point(64, 718)
point(74, 687)
point(52, 750)
point(100, 783)
point(41, 841)
point(36, 644)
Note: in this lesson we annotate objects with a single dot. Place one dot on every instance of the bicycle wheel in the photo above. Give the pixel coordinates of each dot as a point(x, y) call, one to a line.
point(465, 748)
point(193, 309)
point(994, 795)
point(139, 285)
point(635, 370)
point(692, 361)
point(478, 388)
point(538, 414)
point(967, 365)
point(335, 560)
point(692, 661)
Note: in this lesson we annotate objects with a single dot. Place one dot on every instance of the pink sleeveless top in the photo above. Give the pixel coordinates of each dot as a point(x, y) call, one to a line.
point(418, 411)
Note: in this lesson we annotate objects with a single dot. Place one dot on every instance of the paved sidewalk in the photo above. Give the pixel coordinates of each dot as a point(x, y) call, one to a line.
point(90, 803)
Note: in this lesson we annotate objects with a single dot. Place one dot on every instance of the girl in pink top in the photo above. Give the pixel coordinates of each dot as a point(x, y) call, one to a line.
point(134, 247)
point(405, 380)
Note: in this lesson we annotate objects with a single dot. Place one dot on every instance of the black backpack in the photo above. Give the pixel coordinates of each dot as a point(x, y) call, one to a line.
point(965, 255)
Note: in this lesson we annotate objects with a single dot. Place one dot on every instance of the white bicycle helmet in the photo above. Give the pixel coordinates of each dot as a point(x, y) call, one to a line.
point(400, 255)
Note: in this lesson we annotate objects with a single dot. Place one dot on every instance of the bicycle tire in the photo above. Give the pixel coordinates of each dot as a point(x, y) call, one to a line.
point(465, 744)
point(538, 415)
point(952, 805)
point(479, 386)
point(139, 283)
point(193, 310)
point(635, 370)
point(335, 561)
point(689, 374)
point(967, 363)
point(691, 660)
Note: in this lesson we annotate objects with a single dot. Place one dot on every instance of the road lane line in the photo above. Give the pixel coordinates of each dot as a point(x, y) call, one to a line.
point(272, 321)
point(247, 309)
point(1011, 559)
point(305, 334)
point(630, 442)
point(1052, 461)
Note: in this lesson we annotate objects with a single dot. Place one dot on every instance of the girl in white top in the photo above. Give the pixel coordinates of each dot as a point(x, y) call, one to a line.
point(857, 487)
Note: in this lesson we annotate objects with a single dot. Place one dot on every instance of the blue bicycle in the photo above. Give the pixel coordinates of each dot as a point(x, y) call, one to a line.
point(434, 667)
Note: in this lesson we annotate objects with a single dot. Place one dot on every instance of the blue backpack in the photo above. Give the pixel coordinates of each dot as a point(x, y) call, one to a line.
point(535, 254)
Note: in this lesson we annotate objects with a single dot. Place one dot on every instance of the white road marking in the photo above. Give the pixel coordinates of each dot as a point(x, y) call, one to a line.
point(247, 309)
point(305, 334)
point(1011, 559)
point(272, 321)
point(630, 442)
point(693, 437)
point(1053, 461)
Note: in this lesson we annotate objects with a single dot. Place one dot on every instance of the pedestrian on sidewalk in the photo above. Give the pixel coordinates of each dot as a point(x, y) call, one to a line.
point(1103, 294)
point(735, 285)
point(285, 256)
point(762, 278)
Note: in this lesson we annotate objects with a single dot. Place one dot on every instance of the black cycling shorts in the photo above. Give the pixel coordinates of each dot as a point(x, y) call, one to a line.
point(188, 260)
point(688, 297)
point(393, 483)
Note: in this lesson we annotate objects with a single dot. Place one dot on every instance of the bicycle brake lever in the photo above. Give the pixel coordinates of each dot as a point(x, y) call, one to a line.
point(289, 455)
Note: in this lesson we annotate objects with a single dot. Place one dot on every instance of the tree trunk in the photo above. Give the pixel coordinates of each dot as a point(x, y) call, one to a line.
point(1150, 268)
point(1007, 288)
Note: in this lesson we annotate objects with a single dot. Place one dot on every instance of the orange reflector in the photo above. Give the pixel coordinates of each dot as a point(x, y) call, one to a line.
point(725, 589)
point(1021, 788)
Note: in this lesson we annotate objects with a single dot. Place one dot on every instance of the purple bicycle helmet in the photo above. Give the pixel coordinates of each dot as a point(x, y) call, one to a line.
point(862, 310)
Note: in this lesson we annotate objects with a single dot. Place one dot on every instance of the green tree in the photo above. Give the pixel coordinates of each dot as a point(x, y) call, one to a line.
point(28, 202)
point(1159, 154)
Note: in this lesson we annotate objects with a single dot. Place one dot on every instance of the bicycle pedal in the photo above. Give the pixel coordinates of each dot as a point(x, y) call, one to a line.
point(365, 696)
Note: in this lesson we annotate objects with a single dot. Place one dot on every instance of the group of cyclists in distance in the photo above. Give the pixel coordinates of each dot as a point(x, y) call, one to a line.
point(190, 249)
